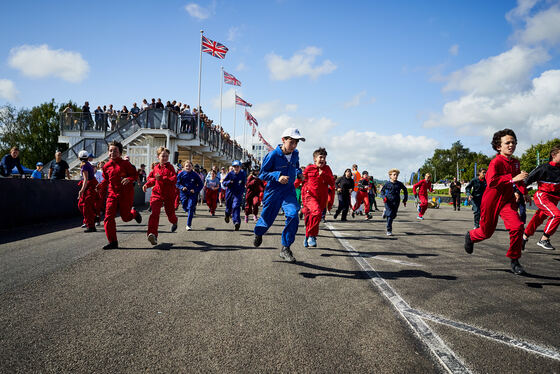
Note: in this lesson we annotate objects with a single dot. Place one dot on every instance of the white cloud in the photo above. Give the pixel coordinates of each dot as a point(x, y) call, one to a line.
point(359, 99)
point(454, 50)
point(502, 73)
point(522, 10)
point(198, 12)
point(542, 27)
point(8, 90)
point(40, 62)
point(300, 64)
point(241, 67)
point(228, 99)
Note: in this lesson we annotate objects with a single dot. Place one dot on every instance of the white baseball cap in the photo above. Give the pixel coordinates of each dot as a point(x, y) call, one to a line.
point(292, 132)
point(83, 154)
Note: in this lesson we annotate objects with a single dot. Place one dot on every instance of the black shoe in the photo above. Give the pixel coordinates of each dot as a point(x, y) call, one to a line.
point(368, 216)
point(335, 215)
point(90, 229)
point(353, 214)
point(138, 217)
point(300, 215)
point(545, 244)
point(287, 255)
point(257, 241)
point(516, 267)
point(469, 245)
point(226, 218)
point(343, 220)
point(174, 227)
point(112, 245)
point(237, 225)
point(524, 243)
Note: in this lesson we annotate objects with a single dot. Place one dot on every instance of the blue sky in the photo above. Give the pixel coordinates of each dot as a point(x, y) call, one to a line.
point(377, 83)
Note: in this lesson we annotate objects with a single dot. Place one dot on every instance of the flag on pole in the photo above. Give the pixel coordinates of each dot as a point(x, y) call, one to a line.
point(254, 129)
point(214, 48)
point(240, 101)
point(250, 118)
point(230, 79)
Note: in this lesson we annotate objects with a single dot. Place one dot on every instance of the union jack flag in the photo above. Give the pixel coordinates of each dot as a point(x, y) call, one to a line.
point(230, 79)
point(240, 101)
point(214, 48)
point(250, 118)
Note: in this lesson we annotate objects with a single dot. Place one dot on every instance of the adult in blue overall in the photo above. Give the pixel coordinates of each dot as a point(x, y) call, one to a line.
point(279, 169)
point(234, 182)
point(190, 184)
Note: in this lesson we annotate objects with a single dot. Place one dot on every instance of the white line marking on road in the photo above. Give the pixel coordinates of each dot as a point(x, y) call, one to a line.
point(443, 353)
point(530, 347)
point(400, 262)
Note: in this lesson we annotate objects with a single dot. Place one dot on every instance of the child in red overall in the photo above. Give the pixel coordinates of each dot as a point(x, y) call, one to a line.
point(253, 196)
point(317, 179)
point(362, 195)
point(87, 196)
point(118, 177)
point(546, 199)
point(421, 189)
point(498, 199)
point(212, 188)
point(163, 179)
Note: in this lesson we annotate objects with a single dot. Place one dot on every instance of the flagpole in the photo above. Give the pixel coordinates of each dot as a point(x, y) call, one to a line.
point(221, 86)
point(199, 80)
point(234, 119)
point(244, 137)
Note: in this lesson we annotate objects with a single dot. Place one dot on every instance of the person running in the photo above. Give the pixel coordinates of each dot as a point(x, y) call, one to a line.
point(546, 199)
point(362, 196)
point(119, 176)
point(420, 190)
point(356, 176)
point(235, 187)
point(190, 184)
point(212, 186)
point(391, 195)
point(498, 199)
point(455, 192)
point(344, 186)
point(163, 179)
point(253, 196)
point(317, 178)
point(372, 193)
point(87, 196)
point(279, 170)
point(222, 195)
point(475, 189)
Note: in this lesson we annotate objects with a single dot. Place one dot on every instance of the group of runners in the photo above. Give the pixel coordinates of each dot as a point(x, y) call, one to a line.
point(281, 186)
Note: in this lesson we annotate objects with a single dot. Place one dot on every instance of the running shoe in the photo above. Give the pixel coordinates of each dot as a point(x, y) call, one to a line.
point(188, 228)
point(545, 244)
point(305, 242)
point(257, 241)
point(137, 217)
point(389, 233)
point(83, 226)
point(255, 218)
point(335, 215)
point(226, 218)
point(237, 225)
point(516, 267)
point(112, 245)
point(312, 241)
point(420, 218)
point(152, 239)
point(469, 245)
point(174, 227)
point(90, 229)
point(287, 254)
point(353, 214)
point(368, 216)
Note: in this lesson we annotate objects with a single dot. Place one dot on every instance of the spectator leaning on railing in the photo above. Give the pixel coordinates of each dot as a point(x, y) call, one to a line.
point(9, 161)
point(59, 168)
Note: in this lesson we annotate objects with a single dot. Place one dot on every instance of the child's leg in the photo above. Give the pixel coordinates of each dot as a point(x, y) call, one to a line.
point(548, 206)
point(423, 205)
point(513, 224)
point(313, 216)
point(191, 208)
point(255, 203)
point(489, 213)
point(153, 221)
point(366, 203)
point(535, 222)
point(476, 211)
point(109, 221)
point(229, 202)
point(248, 205)
point(169, 204)
point(125, 206)
point(290, 207)
point(236, 208)
point(271, 205)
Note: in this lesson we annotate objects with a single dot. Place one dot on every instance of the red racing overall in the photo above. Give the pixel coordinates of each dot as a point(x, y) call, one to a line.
point(546, 198)
point(118, 195)
point(422, 187)
point(163, 193)
point(87, 202)
point(498, 200)
point(314, 195)
point(253, 196)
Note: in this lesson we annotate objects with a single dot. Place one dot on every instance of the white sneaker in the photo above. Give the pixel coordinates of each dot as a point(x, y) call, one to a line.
point(83, 226)
point(152, 239)
point(389, 233)
point(188, 228)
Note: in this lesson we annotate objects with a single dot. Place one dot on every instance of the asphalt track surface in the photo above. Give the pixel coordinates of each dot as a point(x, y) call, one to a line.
point(207, 301)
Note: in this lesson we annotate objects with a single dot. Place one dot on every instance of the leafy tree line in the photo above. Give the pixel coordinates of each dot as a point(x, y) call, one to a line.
point(443, 164)
point(35, 131)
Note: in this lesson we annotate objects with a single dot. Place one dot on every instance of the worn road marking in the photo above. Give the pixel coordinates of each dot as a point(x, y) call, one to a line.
point(400, 262)
point(442, 352)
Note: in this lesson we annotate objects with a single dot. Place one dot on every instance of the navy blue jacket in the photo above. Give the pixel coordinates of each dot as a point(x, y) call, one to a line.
point(8, 163)
point(191, 180)
point(392, 191)
point(235, 183)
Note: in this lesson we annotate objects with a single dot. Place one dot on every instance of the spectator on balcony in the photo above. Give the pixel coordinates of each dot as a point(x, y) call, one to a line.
point(98, 118)
point(105, 118)
point(134, 110)
point(10, 161)
point(145, 104)
point(112, 113)
point(123, 116)
point(68, 123)
point(86, 117)
point(59, 169)
point(159, 104)
point(142, 174)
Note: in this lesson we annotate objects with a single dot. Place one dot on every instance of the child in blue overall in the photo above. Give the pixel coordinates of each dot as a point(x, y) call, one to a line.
point(234, 182)
point(391, 195)
point(190, 184)
point(279, 169)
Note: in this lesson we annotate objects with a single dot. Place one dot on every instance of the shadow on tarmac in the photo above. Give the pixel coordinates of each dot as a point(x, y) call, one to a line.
point(373, 254)
point(357, 274)
point(29, 231)
point(432, 234)
point(199, 246)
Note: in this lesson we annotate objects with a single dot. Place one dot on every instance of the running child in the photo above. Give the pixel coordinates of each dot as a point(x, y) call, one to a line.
point(317, 178)
point(362, 195)
point(421, 189)
point(212, 187)
point(475, 189)
point(119, 176)
point(87, 196)
point(344, 186)
point(163, 179)
point(391, 195)
point(253, 196)
point(498, 199)
point(235, 187)
point(190, 184)
point(279, 170)
point(546, 199)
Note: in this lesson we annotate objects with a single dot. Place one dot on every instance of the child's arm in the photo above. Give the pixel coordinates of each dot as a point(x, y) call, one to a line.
point(150, 181)
point(180, 182)
point(414, 192)
point(405, 193)
point(267, 169)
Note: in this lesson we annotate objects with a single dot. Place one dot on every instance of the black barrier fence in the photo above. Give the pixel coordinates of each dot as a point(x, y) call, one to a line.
point(26, 201)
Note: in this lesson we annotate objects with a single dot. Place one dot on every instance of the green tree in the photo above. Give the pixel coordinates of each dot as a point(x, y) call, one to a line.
point(529, 158)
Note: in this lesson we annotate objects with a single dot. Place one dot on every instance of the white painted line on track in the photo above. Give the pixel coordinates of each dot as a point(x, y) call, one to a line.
point(437, 346)
point(501, 338)
point(400, 262)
